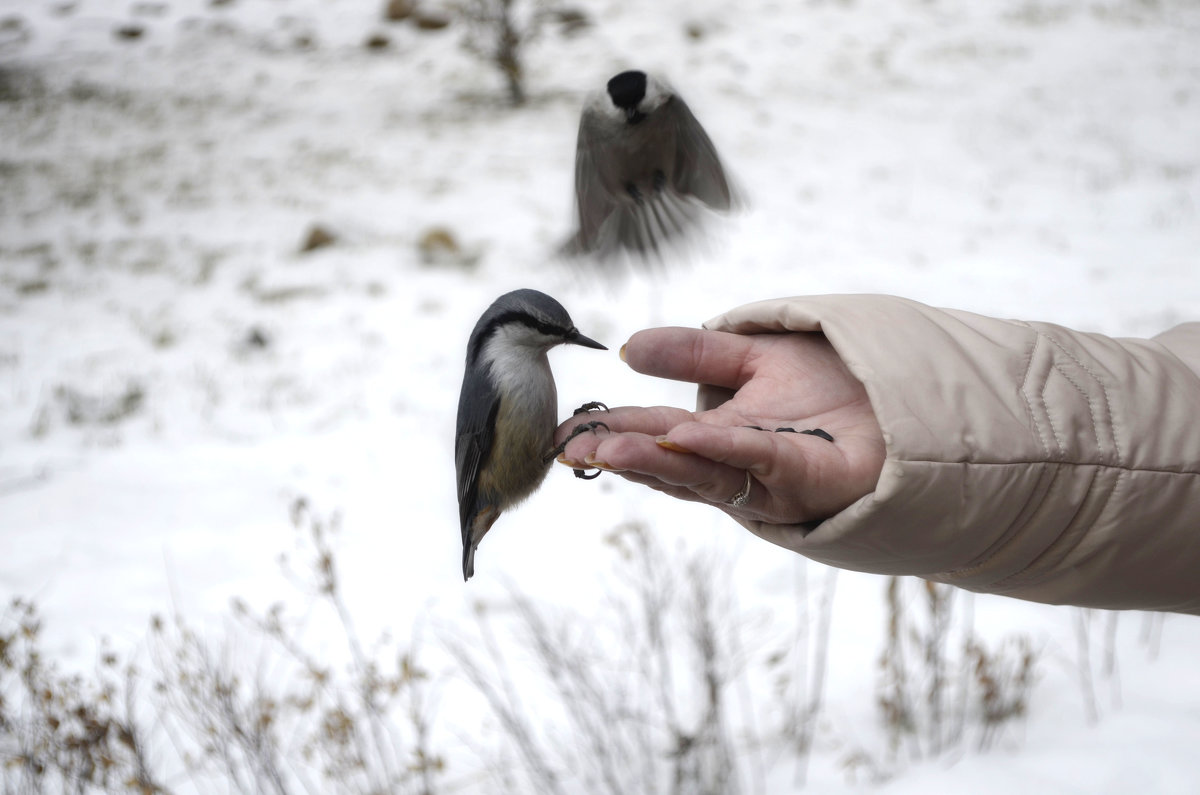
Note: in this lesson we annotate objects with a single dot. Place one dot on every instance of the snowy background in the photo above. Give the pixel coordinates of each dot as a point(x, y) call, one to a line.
point(175, 368)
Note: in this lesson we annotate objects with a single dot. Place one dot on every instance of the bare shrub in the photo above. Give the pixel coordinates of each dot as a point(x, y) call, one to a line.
point(667, 686)
point(1096, 660)
point(640, 702)
point(307, 725)
point(64, 732)
point(798, 667)
point(1003, 679)
point(931, 690)
point(256, 711)
point(498, 31)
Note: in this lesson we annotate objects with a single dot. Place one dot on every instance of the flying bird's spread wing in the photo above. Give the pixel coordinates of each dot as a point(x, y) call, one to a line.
point(593, 203)
point(698, 169)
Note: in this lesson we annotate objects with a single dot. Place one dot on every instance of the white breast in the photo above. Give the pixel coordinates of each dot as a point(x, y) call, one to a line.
point(517, 355)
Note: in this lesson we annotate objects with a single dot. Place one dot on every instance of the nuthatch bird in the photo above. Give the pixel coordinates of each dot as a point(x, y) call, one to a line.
point(508, 409)
point(643, 165)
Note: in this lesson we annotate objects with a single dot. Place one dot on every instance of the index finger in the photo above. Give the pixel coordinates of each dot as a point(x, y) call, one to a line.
point(699, 356)
point(650, 420)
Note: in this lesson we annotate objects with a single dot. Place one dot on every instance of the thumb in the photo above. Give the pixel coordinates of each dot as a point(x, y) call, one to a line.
point(700, 356)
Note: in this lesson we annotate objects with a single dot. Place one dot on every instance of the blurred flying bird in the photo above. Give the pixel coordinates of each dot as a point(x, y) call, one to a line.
point(507, 410)
point(644, 170)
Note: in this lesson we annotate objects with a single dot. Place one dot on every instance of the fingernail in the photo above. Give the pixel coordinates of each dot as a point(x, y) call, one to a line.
point(621, 352)
point(663, 442)
point(568, 462)
point(592, 461)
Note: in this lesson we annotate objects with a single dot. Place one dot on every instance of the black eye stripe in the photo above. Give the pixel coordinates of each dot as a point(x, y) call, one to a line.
point(504, 319)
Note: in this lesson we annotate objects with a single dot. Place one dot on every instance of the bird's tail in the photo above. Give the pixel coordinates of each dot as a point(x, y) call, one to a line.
point(468, 562)
point(651, 231)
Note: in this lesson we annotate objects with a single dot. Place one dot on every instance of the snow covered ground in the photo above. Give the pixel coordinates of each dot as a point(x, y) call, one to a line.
point(174, 369)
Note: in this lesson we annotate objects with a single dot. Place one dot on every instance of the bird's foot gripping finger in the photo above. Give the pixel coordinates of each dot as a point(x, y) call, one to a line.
point(582, 428)
point(595, 405)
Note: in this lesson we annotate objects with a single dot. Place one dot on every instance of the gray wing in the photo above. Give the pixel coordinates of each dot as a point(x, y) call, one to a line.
point(473, 443)
point(698, 169)
point(592, 202)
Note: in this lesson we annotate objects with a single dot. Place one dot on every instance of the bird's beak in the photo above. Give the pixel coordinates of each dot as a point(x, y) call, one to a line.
point(578, 339)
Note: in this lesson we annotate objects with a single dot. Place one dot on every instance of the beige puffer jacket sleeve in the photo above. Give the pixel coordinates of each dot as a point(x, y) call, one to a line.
point(1022, 458)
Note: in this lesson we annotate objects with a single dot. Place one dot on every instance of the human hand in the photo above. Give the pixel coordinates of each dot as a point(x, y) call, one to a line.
point(794, 380)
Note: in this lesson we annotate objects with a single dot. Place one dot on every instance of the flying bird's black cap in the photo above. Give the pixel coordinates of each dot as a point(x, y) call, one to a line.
point(627, 89)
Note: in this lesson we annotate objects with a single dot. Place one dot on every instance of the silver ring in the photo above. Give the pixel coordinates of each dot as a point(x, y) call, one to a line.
point(742, 497)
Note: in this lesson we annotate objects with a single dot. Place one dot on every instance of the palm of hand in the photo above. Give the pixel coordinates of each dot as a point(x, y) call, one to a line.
point(768, 380)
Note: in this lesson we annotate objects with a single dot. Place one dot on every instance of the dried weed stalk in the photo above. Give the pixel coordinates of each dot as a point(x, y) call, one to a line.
point(931, 690)
point(636, 699)
point(256, 711)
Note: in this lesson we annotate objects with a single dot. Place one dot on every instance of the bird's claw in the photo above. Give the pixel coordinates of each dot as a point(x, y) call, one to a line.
point(584, 428)
point(581, 428)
